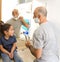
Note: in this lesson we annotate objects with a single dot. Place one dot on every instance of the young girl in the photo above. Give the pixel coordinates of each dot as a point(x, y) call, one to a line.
point(8, 44)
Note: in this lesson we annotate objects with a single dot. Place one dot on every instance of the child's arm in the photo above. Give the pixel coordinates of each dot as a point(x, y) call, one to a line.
point(13, 48)
point(4, 50)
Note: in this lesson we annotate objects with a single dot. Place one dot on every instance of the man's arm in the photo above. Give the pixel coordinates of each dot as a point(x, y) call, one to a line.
point(24, 23)
point(36, 52)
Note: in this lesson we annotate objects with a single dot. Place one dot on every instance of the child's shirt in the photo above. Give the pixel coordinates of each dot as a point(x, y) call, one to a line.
point(7, 44)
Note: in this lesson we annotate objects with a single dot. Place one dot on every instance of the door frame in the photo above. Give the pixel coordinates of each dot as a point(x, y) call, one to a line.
point(0, 9)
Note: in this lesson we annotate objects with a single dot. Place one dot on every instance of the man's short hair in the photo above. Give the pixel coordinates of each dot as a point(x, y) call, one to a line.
point(42, 10)
point(14, 10)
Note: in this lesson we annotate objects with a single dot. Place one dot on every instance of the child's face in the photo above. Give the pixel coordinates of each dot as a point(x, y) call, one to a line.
point(10, 32)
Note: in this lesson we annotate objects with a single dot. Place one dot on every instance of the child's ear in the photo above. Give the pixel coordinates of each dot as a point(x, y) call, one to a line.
point(5, 32)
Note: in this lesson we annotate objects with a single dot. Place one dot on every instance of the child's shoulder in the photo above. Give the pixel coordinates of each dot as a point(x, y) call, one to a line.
point(13, 36)
point(1, 38)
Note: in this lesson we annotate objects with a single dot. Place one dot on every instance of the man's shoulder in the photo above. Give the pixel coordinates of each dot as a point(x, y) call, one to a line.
point(10, 20)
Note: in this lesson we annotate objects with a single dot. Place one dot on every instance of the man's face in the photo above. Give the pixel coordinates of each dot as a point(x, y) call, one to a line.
point(15, 13)
point(35, 14)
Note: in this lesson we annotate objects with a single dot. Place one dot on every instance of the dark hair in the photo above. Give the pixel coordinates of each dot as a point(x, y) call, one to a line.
point(5, 27)
point(1, 23)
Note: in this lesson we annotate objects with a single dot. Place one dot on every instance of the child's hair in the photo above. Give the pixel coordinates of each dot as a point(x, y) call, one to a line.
point(5, 27)
point(1, 23)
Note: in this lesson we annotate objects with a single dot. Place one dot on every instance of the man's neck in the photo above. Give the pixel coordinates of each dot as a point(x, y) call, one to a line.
point(43, 20)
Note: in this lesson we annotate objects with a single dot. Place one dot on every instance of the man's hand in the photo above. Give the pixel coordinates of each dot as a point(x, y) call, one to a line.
point(21, 18)
point(24, 23)
point(28, 44)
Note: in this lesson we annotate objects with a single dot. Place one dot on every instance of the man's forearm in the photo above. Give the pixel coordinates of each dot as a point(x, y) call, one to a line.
point(36, 52)
point(32, 50)
point(25, 24)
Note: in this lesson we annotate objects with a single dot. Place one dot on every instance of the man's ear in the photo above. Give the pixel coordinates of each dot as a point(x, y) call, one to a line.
point(39, 16)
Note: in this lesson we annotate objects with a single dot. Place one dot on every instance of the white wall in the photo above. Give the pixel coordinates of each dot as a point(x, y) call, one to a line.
point(7, 7)
point(53, 10)
point(53, 7)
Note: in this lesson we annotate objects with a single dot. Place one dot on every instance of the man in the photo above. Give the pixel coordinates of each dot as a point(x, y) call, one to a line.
point(16, 22)
point(44, 42)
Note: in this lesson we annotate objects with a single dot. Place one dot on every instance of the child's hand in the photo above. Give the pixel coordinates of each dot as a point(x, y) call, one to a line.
point(11, 55)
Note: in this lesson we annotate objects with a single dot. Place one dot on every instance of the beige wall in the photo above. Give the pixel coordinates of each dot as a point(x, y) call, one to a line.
point(0, 8)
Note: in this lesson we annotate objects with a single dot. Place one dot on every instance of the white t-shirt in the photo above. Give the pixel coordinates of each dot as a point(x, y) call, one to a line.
point(44, 37)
